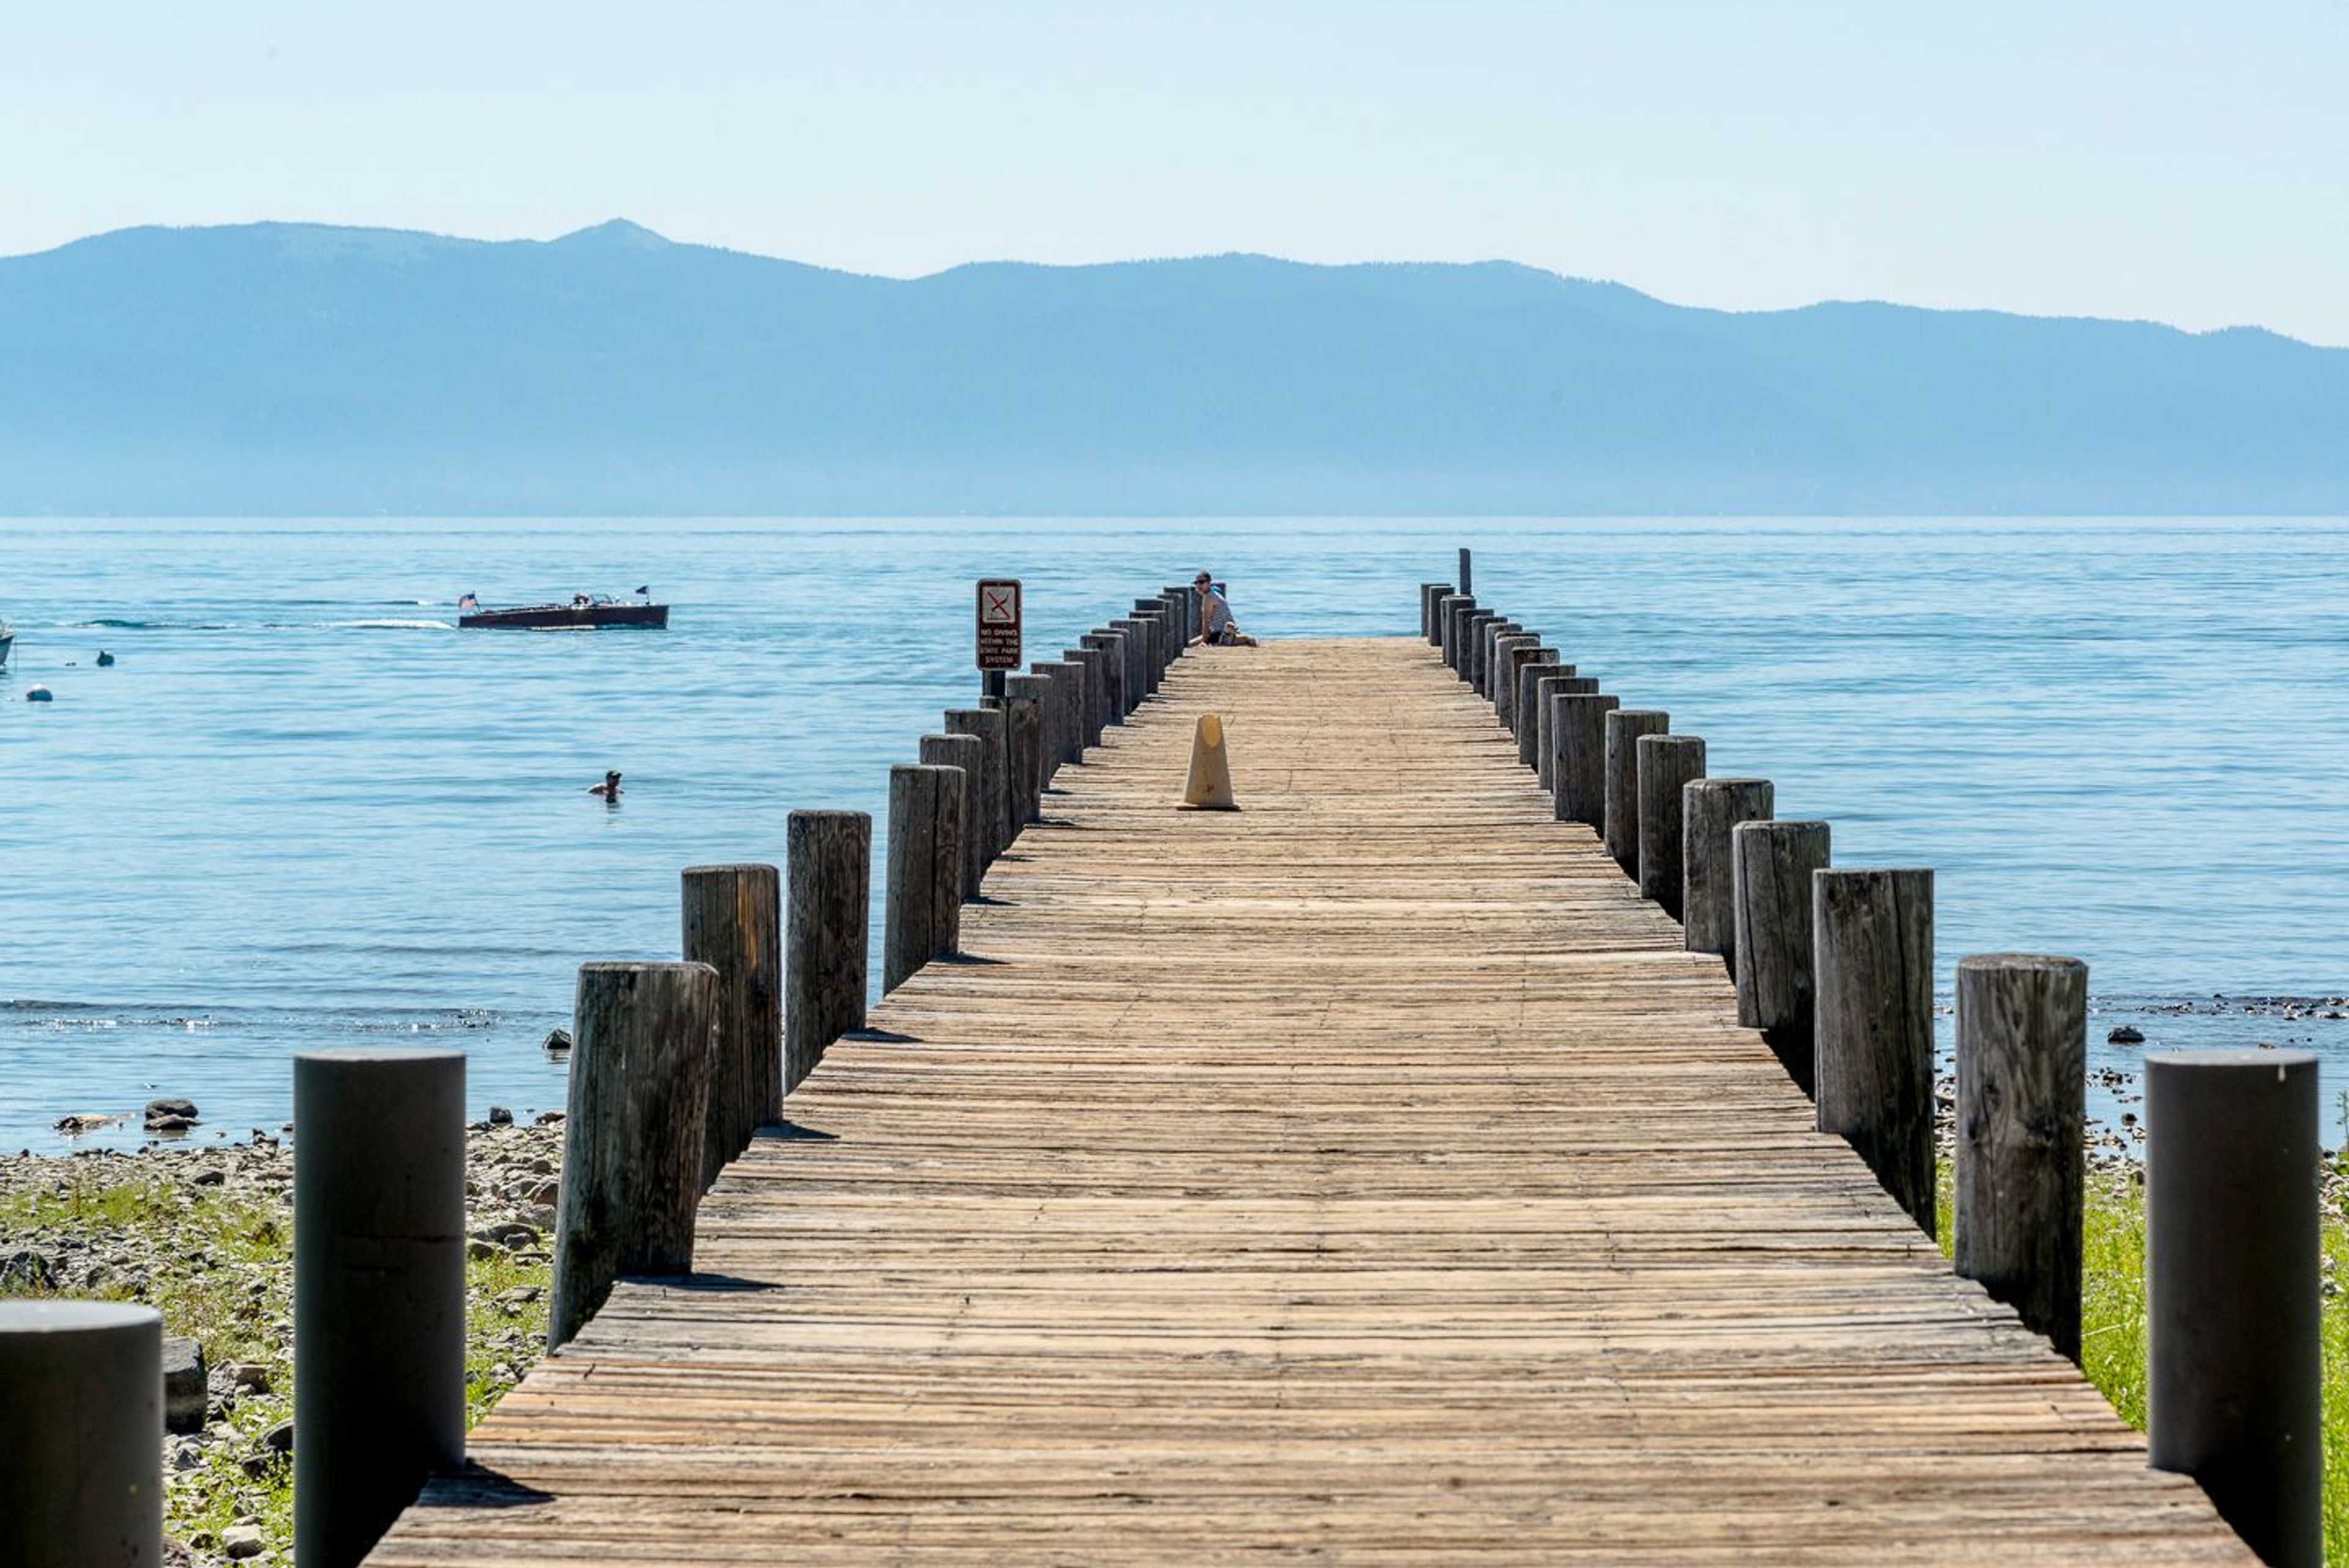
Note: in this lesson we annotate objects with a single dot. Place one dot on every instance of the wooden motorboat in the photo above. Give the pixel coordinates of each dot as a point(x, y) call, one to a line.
point(586, 611)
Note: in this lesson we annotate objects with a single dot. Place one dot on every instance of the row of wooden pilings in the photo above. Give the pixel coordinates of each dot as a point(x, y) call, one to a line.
point(674, 1069)
point(1835, 967)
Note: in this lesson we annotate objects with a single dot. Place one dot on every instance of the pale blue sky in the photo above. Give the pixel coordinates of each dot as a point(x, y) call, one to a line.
point(2183, 162)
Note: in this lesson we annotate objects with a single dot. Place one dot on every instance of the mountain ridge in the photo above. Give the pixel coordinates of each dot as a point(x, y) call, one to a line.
point(283, 368)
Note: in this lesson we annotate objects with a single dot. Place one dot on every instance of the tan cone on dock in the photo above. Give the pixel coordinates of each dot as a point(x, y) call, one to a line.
point(1209, 787)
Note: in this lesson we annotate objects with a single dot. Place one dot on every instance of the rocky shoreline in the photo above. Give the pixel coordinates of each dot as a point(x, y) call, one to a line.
point(203, 1233)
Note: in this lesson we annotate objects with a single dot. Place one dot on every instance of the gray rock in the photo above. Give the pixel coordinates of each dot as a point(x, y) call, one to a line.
point(250, 1377)
point(2124, 1034)
point(186, 1391)
point(40, 694)
point(27, 1271)
point(239, 1542)
point(558, 1039)
point(501, 1116)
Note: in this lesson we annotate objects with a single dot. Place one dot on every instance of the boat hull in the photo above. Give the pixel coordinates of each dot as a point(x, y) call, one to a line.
point(566, 618)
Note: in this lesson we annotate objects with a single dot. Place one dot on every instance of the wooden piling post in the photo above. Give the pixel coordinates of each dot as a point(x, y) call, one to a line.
point(1511, 672)
point(991, 728)
point(1872, 955)
point(632, 1132)
point(1110, 646)
point(1665, 766)
point(1093, 702)
point(1488, 626)
point(1472, 639)
point(1137, 660)
point(961, 753)
point(1152, 613)
point(1072, 689)
point(829, 862)
point(1577, 732)
point(1463, 568)
point(1709, 809)
point(1430, 596)
point(1448, 611)
point(1501, 680)
point(1500, 690)
point(1179, 611)
point(1523, 710)
point(922, 911)
point(1771, 868)
point(2022, 1074)
point(1064, 737)
point(1488, 655)
point(1620, 830)
point(2234, 1379)
point(1026, 700)
point(733, 918)
point(1459, 617)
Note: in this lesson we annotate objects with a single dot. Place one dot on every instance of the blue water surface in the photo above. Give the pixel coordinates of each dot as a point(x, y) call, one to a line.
point(304, 809)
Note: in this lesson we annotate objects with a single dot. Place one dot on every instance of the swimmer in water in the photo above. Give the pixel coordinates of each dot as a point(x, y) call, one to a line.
point(609, 789)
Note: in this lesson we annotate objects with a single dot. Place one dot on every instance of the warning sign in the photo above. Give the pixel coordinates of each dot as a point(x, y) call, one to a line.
point(999, 623)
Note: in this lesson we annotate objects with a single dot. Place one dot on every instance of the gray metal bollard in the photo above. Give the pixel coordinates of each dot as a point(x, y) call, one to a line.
point(81, 1435)
point(2232, 1290)
point(378, 1290)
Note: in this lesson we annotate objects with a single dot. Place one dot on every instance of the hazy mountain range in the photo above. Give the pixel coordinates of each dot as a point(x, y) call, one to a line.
point(288, 369)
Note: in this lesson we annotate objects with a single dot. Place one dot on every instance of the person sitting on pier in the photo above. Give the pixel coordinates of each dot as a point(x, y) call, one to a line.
point(609, 789)
point(1216, 622)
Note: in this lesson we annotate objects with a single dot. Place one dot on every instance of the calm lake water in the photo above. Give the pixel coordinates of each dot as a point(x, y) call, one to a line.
point(303, 809)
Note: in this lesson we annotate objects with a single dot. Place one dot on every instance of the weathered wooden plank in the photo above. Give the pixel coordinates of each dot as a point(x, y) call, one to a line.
point(1368, 1175)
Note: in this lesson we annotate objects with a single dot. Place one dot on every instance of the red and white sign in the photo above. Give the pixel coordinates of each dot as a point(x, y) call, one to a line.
point(999, 623)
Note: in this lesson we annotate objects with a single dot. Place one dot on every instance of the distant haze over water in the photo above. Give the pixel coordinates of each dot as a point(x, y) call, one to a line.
point(303, 809)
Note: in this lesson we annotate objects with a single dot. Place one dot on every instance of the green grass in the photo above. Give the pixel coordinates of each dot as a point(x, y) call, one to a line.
point(224, 1277)
point(2112, 1324)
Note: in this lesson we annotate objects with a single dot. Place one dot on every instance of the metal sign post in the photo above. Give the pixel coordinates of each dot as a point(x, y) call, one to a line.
point(998, 627)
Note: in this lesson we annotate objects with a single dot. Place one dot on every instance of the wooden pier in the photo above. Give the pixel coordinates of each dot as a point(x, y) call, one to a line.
point(1368, 1176)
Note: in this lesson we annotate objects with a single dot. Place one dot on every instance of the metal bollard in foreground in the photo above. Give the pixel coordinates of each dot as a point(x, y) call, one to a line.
point(81, 1435)
point(2232, 1292)
point(378, 1290)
